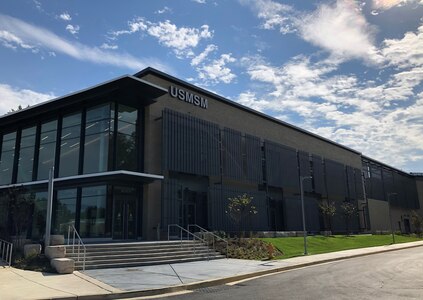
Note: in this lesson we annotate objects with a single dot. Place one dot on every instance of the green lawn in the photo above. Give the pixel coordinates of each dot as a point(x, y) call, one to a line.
point(294, 246)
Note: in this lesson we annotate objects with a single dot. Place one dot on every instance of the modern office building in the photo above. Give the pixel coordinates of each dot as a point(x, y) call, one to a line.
point(137, 153)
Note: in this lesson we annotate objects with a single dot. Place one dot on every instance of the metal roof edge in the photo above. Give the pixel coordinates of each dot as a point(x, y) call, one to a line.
point(57, 99)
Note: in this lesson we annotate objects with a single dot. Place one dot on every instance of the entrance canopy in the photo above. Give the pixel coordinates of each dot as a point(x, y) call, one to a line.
point(115, 177)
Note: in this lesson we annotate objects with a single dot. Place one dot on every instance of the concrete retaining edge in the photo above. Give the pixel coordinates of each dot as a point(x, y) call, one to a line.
point(220, 281)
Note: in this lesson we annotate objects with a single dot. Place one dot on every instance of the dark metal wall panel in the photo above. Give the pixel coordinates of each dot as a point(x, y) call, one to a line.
point(388, 182)
point(190, 145)
point(254, 157)
point(412, 201)
point(338, 221)
point(290, 174)
point(351, 192)
point(293, 214)
point(376, 182)
point(232, 154)
point(305, 170)
point(358, 177)
point(273, 164)
point(171, 203)
point(399, 189)
point(367, 182)
point(335, 180)
point(219, 219)
point(319, 176)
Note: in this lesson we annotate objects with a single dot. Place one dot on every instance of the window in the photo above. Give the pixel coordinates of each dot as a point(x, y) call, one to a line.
point(97, 139)
point(7, 157)
point(93, 211)
point(26, 155)
point(47, 150)
point(39, 216)
point(64, 212)
point(69, 145)
point(126, 154)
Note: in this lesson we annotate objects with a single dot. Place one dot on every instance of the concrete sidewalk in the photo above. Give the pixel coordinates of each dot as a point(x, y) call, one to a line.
point(160, 279)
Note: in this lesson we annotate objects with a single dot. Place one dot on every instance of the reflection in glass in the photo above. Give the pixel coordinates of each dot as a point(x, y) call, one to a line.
point(69, 145)
point(47, 150)
point(127, 114)
point(7, 157)
point(97, 136)
point(26, 155)
point(39, 216)
point(64, 211)
point(126, 156)
point(93, 212)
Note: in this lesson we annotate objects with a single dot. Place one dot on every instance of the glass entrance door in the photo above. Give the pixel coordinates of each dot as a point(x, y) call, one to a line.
point(124, 213)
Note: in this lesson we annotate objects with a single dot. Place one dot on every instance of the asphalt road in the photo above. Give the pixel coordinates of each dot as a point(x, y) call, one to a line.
point(392, 275)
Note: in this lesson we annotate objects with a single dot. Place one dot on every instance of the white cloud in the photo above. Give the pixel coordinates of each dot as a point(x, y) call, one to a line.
point(181, 39)
point(274, 14)
point(203, 55)
point(65, 17)
point(164, 10)
point(109, 46)
point(405, 52)
point(73, 29)
point(341, 29)
point(43, 38)
point(388, 4)
point(11, 98)
point(217, 71)
point(10, 40)
point(200, 1)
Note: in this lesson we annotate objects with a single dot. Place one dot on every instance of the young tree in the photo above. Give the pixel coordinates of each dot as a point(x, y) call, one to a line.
point(348, 211)
point(328, 210)
point(240, 208)
point(21, 205)
point(417, 222)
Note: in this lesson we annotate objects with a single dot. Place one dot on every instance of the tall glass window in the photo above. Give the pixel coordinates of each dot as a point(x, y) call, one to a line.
point(7, 157)
point(39, 216)
point(26, 155)
point(93, 212)
point(126, 154)
point(47, 150)
point(64, 211)
point(97, 137)
point(69, 145)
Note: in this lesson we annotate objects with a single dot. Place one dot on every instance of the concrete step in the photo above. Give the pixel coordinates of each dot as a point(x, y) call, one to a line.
point(105, 260)
point(140, 254)
point(113, 255)
point(79, 266)
point(132, 249)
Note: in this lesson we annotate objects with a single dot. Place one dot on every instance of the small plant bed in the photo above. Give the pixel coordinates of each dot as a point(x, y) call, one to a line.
point(37, 263)
point(246, 248)
point(294, 246)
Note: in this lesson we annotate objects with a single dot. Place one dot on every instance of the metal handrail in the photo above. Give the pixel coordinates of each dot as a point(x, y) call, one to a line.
point(6, 249)
point(188, 234)
point(212, 234)
point(80, 243)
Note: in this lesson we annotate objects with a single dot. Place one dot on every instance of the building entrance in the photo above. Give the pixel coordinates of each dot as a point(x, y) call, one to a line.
point(124, 213)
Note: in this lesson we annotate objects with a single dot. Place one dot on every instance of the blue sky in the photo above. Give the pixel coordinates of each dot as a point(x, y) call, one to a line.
point(351, 71)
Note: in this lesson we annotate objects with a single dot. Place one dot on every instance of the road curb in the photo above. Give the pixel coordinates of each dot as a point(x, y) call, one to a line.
point(220, 281)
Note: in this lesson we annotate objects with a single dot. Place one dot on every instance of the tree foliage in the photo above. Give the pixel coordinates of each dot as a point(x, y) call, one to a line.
point(240, 208)
point(328, 210)
point(348, 211)
point(417, 222)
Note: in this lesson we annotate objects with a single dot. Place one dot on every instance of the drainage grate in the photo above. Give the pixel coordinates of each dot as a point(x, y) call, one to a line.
point(215, 289)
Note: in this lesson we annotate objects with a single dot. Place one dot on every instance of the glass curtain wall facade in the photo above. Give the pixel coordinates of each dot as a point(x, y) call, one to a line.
point(94, 139)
